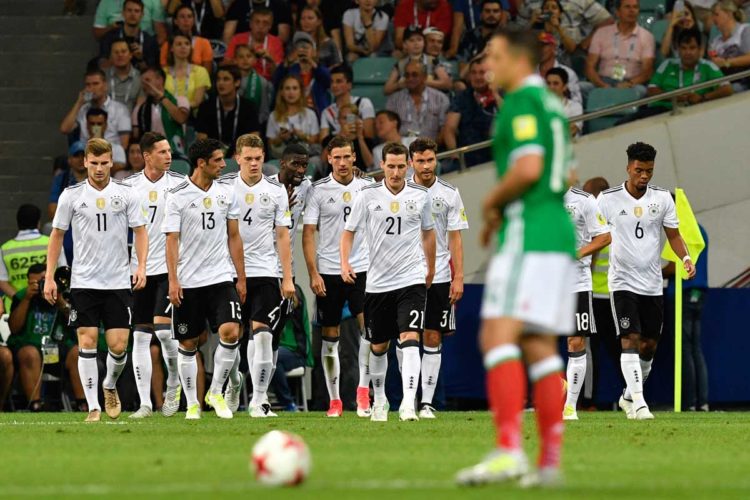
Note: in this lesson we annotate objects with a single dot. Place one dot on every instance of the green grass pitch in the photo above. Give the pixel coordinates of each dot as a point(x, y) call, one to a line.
point(605, 456)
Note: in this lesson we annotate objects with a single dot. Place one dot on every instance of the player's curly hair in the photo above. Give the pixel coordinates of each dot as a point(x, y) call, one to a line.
point(422, 144)
point(640, 151)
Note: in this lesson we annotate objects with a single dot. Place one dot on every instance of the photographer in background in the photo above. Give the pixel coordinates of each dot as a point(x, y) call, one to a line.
point(303, 61)
point(38, 331)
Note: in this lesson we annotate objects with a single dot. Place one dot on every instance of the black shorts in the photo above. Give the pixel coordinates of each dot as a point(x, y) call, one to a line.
point(585, 324)
point(389, 314)
point(94, 308)
point(439, 314)
point(151, 300)
point(634, 313)
point(213, 304)
point(329, 308)
point(264, 303)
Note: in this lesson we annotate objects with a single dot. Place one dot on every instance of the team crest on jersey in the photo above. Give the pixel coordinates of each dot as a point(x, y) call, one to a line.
point(571, 210)
point(117, 203)
point(265, 200)
point(638, 211)
point(653, 210)
point(207, 202)
point(249, 198)
point(100, 203)
point(411, 207)
point(347, 196)
point(624, 323)
point(152, 196)
point(221, 200)
point(182, 328)
point(394, 207)
point(438, 205)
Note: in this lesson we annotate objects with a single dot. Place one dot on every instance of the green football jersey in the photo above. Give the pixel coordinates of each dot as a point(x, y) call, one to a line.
point(532, 120)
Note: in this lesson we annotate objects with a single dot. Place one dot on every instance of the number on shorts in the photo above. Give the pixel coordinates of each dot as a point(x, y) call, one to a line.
point(582, 321)
point(236, 310)
point(273, 318)
point(444, 321)
point(417, 320)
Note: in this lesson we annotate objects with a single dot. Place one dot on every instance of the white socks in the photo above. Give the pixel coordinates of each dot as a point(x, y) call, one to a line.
point(115, 366)
point(188, 369)
point(88, 371)
point(631, 370)
point(234, 373)
point(378, 366)
point(430, 371)
point(169, 347)
point(364, 360)
point(645, 371)
point(410, 372)
point(142, 365)
point(329, 355)
point(262, 365)
point(576, 374)
point(399, 355)
point(224, 359)
point(250, 353)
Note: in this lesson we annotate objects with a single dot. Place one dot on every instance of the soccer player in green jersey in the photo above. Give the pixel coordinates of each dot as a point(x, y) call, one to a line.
point(527, 298)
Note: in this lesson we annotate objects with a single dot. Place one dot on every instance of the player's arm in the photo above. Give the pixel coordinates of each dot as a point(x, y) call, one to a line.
point(456, 248)
point(236, 252)
point(284, 244)
point(140, 242)
point(680, 249)
point(173, 255)
point(54, 247)
point(597, 243)
point(345, 248)
point(308, 248)
point(429, 246)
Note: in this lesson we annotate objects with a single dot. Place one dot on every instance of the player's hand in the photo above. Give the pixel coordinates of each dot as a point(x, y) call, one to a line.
point(429, 277)
point(348, 274)
point(690, 269)
point(317, 285)
point(457, 290)
point(287, 288)
point(241, 287)
point(175, 293)
point(139, 278)
point(50, 291)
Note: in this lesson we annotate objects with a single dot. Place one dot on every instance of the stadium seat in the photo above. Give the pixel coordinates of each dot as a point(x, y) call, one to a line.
point(604, 98)
point(372, 70)
point(302, 392)
point(657, 7)
point(180, 166)
point(374, 93)
point(658, 28)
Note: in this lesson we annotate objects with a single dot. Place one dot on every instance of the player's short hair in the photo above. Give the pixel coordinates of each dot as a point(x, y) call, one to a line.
point(248, 141)
point(295, 148)
point(422, 144)
point(98, 147)
point(688, 35)
point(343, 70)
point(524, 41)
point(95, 71)
point(202, 149)
point(148, 141)
point(640, 151)
point(28, 216)
point(36, 269)
point(232, 69)
point(96, 112)
point(392, 116)
point(394, 148)
point(596, 185)
point(339, 142)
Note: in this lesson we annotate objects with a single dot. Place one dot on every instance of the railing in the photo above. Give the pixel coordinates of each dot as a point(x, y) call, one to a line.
point(671, 95)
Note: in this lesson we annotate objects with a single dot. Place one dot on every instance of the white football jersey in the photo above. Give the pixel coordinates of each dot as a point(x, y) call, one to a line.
point(100, 221)
point(201, 219)
point(589, 223)
point(263, 206)
point(152, 196)
point(329, 206)
point(449, 215)
point(636, 226)
point(300, 195)
point(393, 224)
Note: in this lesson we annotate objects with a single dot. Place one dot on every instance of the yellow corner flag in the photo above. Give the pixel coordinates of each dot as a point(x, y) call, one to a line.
point(693, 238)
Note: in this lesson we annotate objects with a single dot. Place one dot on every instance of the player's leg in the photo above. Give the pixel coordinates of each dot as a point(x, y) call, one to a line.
point(410, 303)
point(71, 364)
point(264, 314)
point(262, 367)
point(329, 316)
point(224, 310)
point(439, 320)
point(163, 330)
point(382, 327)
point(235, 378)
point(85, 316)
point(157, 376)
point(356, 299)
point(626, 315)
point(143, 307)
point(189, 322)
point(117, 357)
point(577, 362)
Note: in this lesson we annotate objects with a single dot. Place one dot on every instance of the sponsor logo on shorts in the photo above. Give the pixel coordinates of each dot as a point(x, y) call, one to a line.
point(182, 328)
point(624, 323)
point(73, 315)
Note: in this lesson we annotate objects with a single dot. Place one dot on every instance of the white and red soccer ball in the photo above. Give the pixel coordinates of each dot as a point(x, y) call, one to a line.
point(280, 458)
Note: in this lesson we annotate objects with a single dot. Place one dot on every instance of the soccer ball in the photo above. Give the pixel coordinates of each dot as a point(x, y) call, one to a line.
point(280, 458)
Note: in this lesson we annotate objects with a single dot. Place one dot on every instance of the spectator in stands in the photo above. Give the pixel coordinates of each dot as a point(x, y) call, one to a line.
point(490, 19)
point(143, 45)
point(311, 22)
point(95, 95)
point(239, 18)
point(557, 81)
point(351, 128)
point(421, 108)
point(269, 49)
point(291, 120)
point(96, 126)
point(420, 14)
point(6, 370)
point(730, 49)
point(35, 324)
point(226, 116)
point(161, 111)
point(135, 161)
point(124, 78)
point(467, 18)
point(75, 173)
point(208, 14)
point(437, 76)
point(109, 15)
point(365, 30)
point(184, 22)
point(316, 78)
point(622, 54)
point(387, 126)
point(678, 21)
point(434, 41)
point(580, 18)
point(549, 60)
point(470, 116)
point(253, 87)
point(183, 78)
point(332, 20)
point(341, 88)
point(549, 20)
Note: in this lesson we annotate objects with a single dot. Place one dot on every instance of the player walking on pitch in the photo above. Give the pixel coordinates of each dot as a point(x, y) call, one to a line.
point(396, 217)
point(202, 233)
point(637, 211)
point(151, 307)
point(99, 210)
point(527, 297)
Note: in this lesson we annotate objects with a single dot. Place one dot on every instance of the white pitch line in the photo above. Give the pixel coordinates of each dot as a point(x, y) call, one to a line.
point(22, 423)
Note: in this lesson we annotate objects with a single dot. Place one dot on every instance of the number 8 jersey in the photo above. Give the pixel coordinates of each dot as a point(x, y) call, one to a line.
point(636, 225)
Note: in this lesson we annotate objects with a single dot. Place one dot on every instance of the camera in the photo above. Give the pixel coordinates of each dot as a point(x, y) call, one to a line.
point(62, 278)
point(545, 16)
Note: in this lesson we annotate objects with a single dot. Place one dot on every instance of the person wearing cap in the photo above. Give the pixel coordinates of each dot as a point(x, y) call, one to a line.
point(75, 173)
point(303, 61)
point(268, 48)
point(420, 14)
point(365, 28)
point(414, 44)
point(549, 60)
point(433, 46)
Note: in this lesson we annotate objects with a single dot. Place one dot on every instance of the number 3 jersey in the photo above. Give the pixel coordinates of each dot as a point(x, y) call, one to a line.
point(589, 223)
point(636, 225)
point(100, 221)
point(152, 196)
point(393, 224)
point(201, 219)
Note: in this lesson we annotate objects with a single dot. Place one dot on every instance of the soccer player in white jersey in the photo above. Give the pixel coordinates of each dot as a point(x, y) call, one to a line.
point(151, 308)
point(264, 231)
point(396, 217)
point(637, 212)
point(447, 288)
point(201, 224)
point(328, 208)
point(99, 210)
point(592, 234)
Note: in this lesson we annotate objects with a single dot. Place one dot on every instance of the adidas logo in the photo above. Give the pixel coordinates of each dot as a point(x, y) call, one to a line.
point(331, 200)
point(193, 205)
point(83, 205)
point(623, 212)
point(378, 209)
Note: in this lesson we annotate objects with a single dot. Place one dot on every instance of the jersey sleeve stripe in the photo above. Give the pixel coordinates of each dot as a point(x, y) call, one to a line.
point(417, 186)
point(179, 187)
point(321, 181)
point(446, 184)
point(527, 149)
